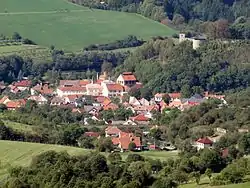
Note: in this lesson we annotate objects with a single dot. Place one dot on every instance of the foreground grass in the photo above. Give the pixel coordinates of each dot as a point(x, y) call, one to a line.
point(49, 23)
point(21, 153)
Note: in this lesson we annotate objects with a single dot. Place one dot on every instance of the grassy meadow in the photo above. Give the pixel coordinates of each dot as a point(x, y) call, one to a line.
point(71, 27)
point(21, 153)
point(32, 51)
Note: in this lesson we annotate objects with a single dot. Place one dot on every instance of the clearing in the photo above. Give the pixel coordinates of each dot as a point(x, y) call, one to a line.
point(72, 27)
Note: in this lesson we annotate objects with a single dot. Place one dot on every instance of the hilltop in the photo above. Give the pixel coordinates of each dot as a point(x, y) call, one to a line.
point(70, 26)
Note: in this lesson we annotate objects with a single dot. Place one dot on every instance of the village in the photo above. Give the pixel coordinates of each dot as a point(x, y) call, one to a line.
point(73, 93)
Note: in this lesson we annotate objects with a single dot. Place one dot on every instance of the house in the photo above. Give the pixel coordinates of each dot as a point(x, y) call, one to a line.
point(40, 100)
point(14, 89)
point(174, 96)
point(126, 79)
point(94, 89)
point(140, 119)
point(110, 106)
point(57, 101)
point(124, 139)
point(133, 101)
point(92, 134)
point(112, 89)
point(22, 85)
point(159, 96)
point(144, 102)
point(41, 89)
point(71, 90)
point(202, 143)
point(71, 99)
point(4, 100)
point(93, 110)
point(208, 95)
point(112, 131)
point(69, 83)
point(14, 104)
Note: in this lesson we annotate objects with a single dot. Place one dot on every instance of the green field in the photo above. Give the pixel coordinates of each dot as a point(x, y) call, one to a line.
point(71, 27)
point(18, 126)
point(32, 51)
point(21, 153)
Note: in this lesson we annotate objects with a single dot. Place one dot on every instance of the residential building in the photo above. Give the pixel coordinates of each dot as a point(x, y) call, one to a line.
point(112, 131)
point(40, 100)
point(41, 89)
point(22, 85)
point(93, 89)
point(14, 104)
point(4, 100)
point(124, 139)
point(57, 101)
point(92, 134)
point(71, 99)
point(72, 90)
point(111, 89)
point(202, 143)
point(126, 79)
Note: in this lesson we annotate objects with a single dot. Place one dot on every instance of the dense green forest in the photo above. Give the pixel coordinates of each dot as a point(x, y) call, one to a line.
point(163, 66)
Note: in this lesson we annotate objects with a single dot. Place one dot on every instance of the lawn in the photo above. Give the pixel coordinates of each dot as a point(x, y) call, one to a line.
point(48, 23)
point(21, 153)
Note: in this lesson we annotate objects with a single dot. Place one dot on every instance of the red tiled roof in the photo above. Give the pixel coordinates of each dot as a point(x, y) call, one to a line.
point(126, 140)
point(140, 117)
point(69, 82)
point(205, 140)
point(73, 88)
point(15, 103)
point(23, 83)
point(174, 95)
point(43, 89)
point(116, 141)
point(115, 87)
point(112, 130)
point(73, 97)
point(84, 82)
point(92, 134)
point(128, 76)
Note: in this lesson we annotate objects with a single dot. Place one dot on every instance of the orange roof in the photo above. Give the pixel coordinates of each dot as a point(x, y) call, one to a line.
point(111, 106)
point(73, 97)
point(140, 117)
point(115, 87)
point(43, 89)
point(125, 141)
point(174, 95)
point(84, 82)
point(112, 130)
point(116, 140)
point(23, 83)
point(73, 88)
point(15, 103)
point(128, 76)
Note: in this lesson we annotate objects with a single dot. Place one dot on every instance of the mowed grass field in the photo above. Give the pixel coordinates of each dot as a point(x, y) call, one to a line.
point(71, 27)
point(21, 153)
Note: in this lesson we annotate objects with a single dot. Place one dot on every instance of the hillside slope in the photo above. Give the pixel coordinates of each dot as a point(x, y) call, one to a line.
point(70, 26)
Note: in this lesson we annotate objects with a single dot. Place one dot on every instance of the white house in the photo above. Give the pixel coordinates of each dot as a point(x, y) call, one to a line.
point(74, 90)
point(126, 79)
point(202, 143)
point(40, 100)
point(111, 89)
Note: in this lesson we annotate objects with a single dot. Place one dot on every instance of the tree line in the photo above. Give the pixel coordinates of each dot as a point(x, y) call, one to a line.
point(51, 169)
